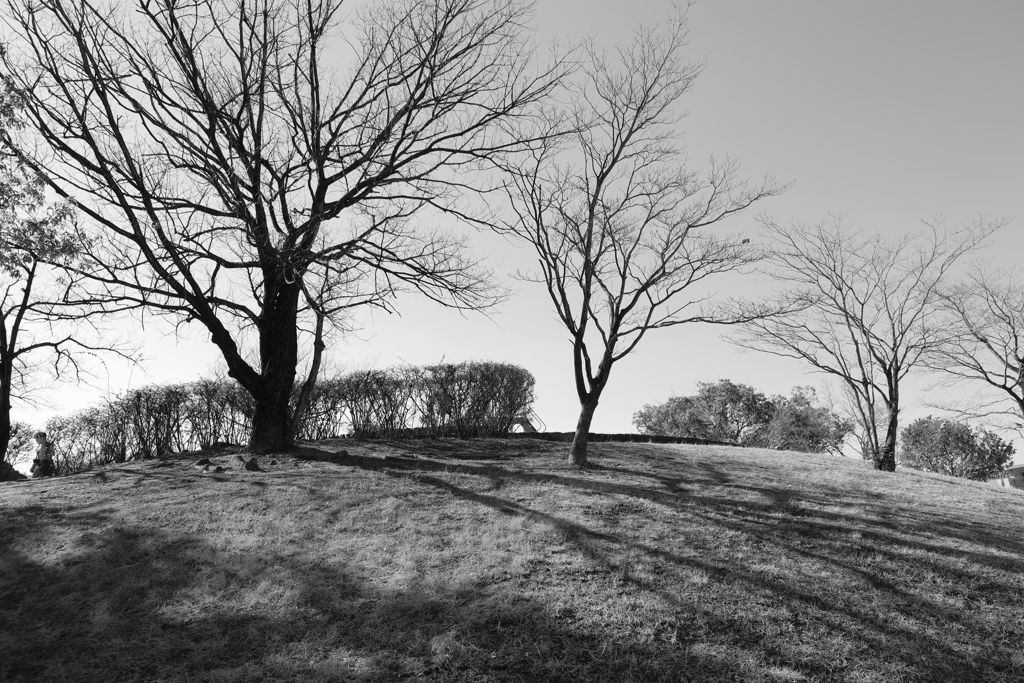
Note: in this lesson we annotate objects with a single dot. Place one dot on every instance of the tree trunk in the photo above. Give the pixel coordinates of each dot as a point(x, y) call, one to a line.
point(885, 459)
point(5, 422)
point(270, 426)
point(6, 375)
point(307, 387)
point(578, 452)
point(279, 357)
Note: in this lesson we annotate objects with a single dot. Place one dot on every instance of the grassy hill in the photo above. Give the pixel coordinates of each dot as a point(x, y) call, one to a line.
point(492, 561)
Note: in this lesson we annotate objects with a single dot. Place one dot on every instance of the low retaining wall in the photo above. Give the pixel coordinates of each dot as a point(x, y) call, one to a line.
point(625, 438)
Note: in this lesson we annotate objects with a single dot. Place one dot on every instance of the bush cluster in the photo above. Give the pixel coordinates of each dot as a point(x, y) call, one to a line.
point(449, 399)
point(954, 448)
point(151, 421)
point(738, 413)
point(461, 400)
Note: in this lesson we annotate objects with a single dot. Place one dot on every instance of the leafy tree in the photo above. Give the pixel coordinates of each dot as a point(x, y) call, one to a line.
point(678, 416)
point(624, 233)
point(797, 424)
point(240, 161)
point(953, 448)
point(721, 411)
point(725, 411)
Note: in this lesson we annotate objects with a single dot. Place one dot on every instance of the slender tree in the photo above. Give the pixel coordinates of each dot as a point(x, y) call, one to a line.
point(863, 309)
point(231, 156)
point(622, 230)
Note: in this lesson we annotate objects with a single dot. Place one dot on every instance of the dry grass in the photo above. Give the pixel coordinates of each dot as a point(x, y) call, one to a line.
point(492, 561)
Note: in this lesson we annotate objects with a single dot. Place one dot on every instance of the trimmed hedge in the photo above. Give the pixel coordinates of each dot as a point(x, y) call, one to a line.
point(460, 400)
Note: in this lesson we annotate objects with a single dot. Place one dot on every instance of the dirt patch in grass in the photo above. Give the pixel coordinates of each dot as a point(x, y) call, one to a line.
point(491, 560)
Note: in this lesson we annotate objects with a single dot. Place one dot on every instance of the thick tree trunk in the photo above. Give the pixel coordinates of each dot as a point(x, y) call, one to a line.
point(578, 452)
point(5, 425)
point(6, 375)
point(279, 356)
point(270, 427)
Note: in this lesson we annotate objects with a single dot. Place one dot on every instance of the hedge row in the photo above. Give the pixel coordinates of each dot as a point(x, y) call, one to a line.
point(461, 400)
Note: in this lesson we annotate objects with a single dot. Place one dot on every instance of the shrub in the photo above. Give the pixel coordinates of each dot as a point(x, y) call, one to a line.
point(797, 424)
point(723, 411)
point(953, 448)
point(379, 402)
point(325, 414)
point(473, 399)
point(216, 411)
point(148, 422)
point(738, 413)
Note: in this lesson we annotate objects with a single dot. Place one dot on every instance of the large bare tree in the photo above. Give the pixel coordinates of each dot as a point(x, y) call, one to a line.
point(984, 318)
point(862, 309)
point(623, 231)
point(233, 156)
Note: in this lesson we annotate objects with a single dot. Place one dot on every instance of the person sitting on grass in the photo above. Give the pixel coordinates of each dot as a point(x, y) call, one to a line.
point(42, 464)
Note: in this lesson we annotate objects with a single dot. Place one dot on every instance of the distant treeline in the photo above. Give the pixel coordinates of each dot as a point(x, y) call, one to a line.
point(449, 399)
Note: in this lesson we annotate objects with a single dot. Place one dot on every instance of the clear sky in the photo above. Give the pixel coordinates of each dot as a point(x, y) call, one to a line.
point(890, 112)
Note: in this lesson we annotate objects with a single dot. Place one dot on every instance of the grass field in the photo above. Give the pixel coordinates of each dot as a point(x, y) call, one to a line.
point(491, 560)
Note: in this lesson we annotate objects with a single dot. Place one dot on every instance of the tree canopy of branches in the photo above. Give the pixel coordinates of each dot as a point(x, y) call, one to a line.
point(984, 319)
point(259, 166)
point(953, 448)
point(623, 231)
point(862, 309)
point(726, 411)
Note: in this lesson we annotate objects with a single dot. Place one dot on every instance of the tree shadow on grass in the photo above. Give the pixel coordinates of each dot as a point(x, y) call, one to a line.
point(945, 634)
point(134, 603)
point(804, 511)
point(909, 629)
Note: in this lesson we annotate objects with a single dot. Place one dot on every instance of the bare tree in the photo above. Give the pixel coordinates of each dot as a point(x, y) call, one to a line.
point(228, 153)
point(984, 318)
point(863, 309)
point(622, 230)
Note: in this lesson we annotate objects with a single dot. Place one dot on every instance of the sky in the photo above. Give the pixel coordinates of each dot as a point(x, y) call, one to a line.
point(887, 112)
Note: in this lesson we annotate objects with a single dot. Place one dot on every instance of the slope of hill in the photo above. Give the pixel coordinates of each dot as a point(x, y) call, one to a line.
point(492, 561)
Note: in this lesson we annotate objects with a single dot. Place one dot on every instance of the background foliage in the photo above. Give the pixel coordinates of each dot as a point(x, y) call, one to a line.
point(953, 448)
point(738, 413)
